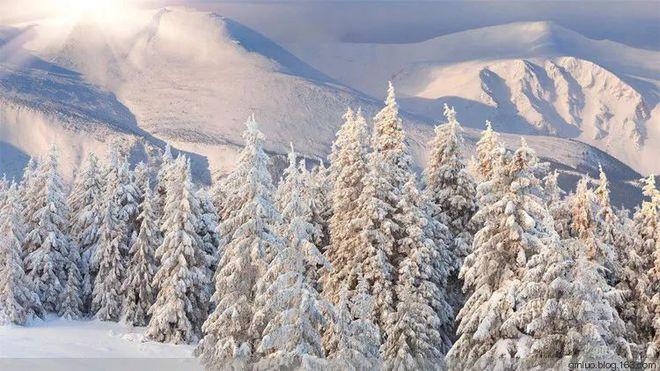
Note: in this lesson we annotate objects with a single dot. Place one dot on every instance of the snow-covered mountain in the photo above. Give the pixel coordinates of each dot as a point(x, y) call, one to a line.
point(525, 77)
point(191, 78)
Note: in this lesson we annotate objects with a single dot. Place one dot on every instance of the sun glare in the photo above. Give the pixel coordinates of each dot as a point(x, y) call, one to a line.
point(104, 11)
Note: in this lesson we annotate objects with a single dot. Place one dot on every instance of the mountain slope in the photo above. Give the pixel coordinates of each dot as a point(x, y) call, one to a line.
point(192, 78)
point(526, 77)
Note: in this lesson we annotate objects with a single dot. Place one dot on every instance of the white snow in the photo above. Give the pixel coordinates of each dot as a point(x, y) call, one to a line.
point(57, 344)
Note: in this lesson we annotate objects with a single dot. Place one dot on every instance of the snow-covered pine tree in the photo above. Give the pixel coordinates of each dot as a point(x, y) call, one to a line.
point(348, 168)
point(249, 236)
point(71, 305)
point(206, 229)
point(107, 259)
point(289, 312)
point(635, 308)
point(564, 308)
point(4, 186)
point(287, 182)
point(18, 302)
point(583, 226)
point(354, 339)
point(509, 210)
point(557, 206)
point(450, 194)
point(298, 231)
point(317, 191)
point(647, 244)
point(182, 302)
point(46, 244)
point(378, 214)
point(163, 177)
point(129, 199)
point(86, 204)
point(141, 180)
point(138, 289)
point(29, 191)
point(607, 227)
point(483, 167)
point(422, 324)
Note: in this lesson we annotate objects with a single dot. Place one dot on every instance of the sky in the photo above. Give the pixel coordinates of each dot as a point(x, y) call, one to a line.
point(630, 22)
point(635, 23)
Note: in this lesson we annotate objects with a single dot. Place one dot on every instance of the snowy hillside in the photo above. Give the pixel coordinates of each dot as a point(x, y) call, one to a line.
point(191, 78)
point(525, 77)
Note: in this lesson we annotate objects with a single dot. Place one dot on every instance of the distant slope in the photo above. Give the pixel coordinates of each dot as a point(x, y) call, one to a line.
point(526, 77)
point(192, 78)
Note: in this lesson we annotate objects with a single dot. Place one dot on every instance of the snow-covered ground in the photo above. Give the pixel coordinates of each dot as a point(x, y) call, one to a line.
point(57, 344)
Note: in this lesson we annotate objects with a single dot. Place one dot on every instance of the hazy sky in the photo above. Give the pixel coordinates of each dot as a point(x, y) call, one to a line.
point(631, 22)
point(634, 23)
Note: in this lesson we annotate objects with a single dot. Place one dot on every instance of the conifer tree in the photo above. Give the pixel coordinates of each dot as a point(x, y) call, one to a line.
point(583, 226)
point(46, 244)
point(484, 166)
point(647, 244)
point(163, 179)
point(450, 192)
point(128, 198)
point(18, 302)
point(107, 259)
point(510, 212)
point(378, 213)
point(289, 313)
point(71, 305)
point(317, 191)
point(206, 229)
point(85, 222)
point(182, 303)
point(139, 292)
point(419, 336)
point(250, 239)
point(348, 169)
point(355, 339)
point(565, 311)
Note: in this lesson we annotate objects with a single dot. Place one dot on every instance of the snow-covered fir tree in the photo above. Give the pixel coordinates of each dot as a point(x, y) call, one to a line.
point(378, 214)
point(565, 312)
point(583, 226)
point(47, 244)
point(250, 239)
point(182, 302)
point(317, 191)
point(141, 180)
point(163, 179)
point(483, 165)
point(510, 211)
point(354, 339)
point(290, 176)
point(128, 198)
point(558, 207)
point(289, 312)
point(18, 301)
point(297, 229)
point(86, 205)
point(29, 195)
point(71, 305)
point(419, 336)
point(108, 259)
point(450, 193)
point(138, 289)
point(207, 228)
point(647, 244)
point(635, 308)
point(348, 169)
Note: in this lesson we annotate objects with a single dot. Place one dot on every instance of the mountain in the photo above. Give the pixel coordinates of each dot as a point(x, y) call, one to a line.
point(532, 78)
point(191, 78)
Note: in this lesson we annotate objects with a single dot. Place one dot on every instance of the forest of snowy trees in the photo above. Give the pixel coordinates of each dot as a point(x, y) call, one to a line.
point(479, 264)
